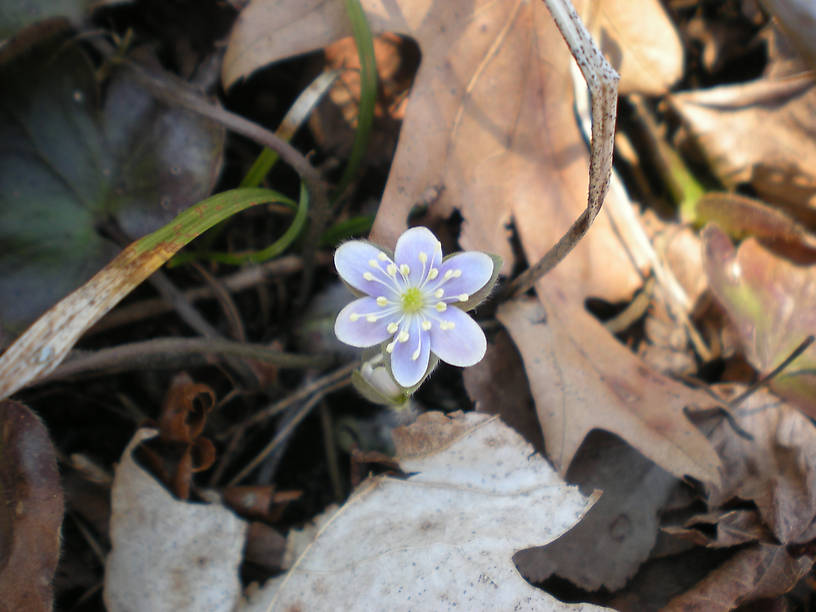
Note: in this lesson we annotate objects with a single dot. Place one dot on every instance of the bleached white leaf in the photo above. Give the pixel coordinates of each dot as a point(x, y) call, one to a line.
point(168, 554)
point(444, 537)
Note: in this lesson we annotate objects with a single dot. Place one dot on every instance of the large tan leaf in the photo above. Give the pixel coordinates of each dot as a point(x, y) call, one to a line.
point(583, 379)
point(640, 41)
point(489, 125)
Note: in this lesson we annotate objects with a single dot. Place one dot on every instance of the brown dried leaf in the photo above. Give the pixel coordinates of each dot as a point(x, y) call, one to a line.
point(640, 41)
point(733, 528)
point(758, 132)
point(495, 158)
point(776, 470)
point(30, 512)
point(762, 571)
point(583, 379)
point(772, 304)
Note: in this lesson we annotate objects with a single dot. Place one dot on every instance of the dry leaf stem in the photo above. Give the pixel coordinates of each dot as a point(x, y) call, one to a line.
point(245, 278)
point(340, 376)
point(602, 81)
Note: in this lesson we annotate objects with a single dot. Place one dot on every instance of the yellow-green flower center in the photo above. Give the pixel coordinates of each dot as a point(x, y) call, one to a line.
point(412, 300)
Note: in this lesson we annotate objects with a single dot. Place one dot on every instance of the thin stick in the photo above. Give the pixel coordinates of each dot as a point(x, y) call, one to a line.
point(602, 81)
point(767, 378)
point(160, 353)
point(284, 433)
point(343, 373)
point(245, 278)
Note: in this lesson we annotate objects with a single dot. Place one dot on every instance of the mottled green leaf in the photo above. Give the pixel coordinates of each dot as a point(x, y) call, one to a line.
point(69, 161)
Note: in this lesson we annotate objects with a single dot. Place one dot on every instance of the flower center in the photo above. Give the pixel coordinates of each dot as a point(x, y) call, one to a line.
point(412, 300)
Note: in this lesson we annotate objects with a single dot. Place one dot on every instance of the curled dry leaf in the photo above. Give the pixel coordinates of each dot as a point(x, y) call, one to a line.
point(516, 157)
point(743, 217)
point(168, 554)
point(31, 506)
point(444, 537)
point(772, 304)
point(583, 379)
point(776, 470)
point(761, 571)
point(760, 133)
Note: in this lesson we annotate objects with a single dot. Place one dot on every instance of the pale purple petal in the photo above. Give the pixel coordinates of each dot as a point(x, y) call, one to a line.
point(476, 269)
point(362, 333)
point(413, 242)
point(353, 259)
point(464, 345)
point(407, 371)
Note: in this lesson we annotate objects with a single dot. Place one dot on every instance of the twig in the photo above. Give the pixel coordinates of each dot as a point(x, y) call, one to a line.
point(734, 403)
point(343, 373)
point(245, 278)
point(602, 81)
point(225, 300)
point(284, 433)
point(170, 352)
point(236, 432)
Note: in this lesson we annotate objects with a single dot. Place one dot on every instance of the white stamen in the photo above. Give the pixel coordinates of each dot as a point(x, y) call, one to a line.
point(354, 316)
point(433, 273)
point(383, 301)
point(426, 325)
point(448, 274)
point(441, 306)
point(415, 355)
point(403, 336)
point(457, 273)
point(391, 269)
point(423, 257)
point(389, 348)
point(373, 263)
point(463, 297)
point(392, 328)
point(382, 256)
point(368, 276)
point(405, 270)
point(439, 293)
point(446, 325)
point(371, 318)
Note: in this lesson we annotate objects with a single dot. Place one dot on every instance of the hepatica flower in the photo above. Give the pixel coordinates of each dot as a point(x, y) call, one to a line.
point(414, 303)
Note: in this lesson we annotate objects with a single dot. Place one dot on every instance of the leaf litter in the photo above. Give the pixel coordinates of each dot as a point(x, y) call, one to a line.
point(609, 402)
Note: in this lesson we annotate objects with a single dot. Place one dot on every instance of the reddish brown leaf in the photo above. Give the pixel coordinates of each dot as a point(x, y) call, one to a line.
point(31, 507)
point(762, 571)
point(773, 306)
